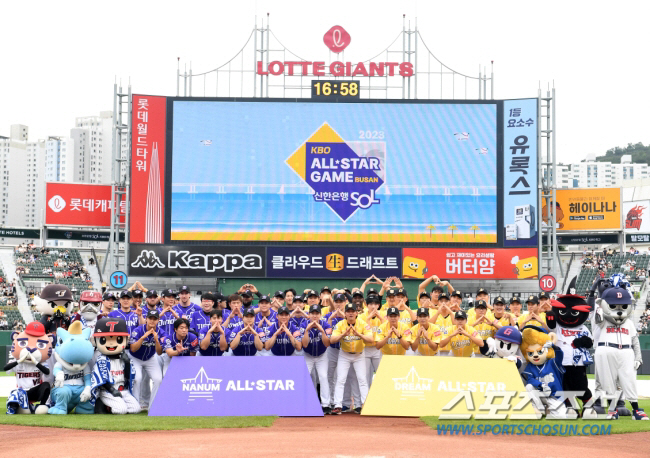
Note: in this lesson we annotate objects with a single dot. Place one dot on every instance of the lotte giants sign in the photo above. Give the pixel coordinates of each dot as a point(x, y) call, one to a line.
point(336, 39)
point(75, 204)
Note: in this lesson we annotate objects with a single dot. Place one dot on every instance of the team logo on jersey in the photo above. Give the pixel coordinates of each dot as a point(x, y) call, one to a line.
point(201, 387)
point(412, 385)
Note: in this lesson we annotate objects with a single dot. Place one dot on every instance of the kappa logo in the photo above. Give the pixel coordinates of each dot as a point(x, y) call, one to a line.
point(413, 386)
point(148, 259)
point(201, 387)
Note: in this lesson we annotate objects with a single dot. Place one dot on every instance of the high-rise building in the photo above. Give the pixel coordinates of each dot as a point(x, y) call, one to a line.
point(94, 148)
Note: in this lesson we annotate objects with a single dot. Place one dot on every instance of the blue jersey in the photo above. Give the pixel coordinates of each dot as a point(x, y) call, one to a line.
point(166, 322)
point(283, 345)
point(190, 342)
point(200, 321)
point(246, 345)
point(273, 318)
point(335, 321)
point(265, 330)
point(234, 322)
point(131, 318)
point(315, 347)
point(148, 348)
point(550, 373)
point(186, 312)
point(213, 348)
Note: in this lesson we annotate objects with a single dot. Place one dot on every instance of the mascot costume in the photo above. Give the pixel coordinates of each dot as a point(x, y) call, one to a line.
point(618, 352)
point(30, 351)
point(544, 372)
point(112, 379)
point(55, 304)
point(73, 354)
point(90, 304)
point(567, 319)
point(505, 344)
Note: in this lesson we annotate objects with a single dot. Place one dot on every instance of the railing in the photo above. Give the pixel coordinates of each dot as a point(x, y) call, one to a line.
point(568, 269)
point(94, 256)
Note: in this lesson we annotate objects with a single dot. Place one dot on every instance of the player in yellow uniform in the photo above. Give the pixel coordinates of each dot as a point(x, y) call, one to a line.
point(425, 336)
point(515, 307)
point(534, 316)
point(353, 335)
point(483, 294)
point(483, 324)
point(357, 299)
point(544, 302)
point(398, 296)
point(424, 301)
point(462, 338)
point(444, 319)
point(501, 317)
point(393, 336)
point(373, 319)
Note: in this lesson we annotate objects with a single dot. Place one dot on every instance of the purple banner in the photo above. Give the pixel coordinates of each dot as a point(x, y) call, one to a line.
point(212, 386)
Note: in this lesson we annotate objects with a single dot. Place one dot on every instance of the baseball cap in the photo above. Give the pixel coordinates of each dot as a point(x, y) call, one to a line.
point(460, 315)
point(482, 291)
point(544, 295)
point(515, 299)
point(108, 296)
point(264, 298)
point(401, 291)
point(533, 299)
point(499, 299)
point(392, 311)
point(314, 308)
point(457, 294)
point(423, 311)
point(372, 291)
point(279, 294)
point(184, 289)
point(153, 314)
point(425, 294)
point(311, 292)
point(357, 292)
point(298, 299)
point(391, 292)
point(480, 304)
point(350, 307)
point(137, 293)
point(325, 288)
point(509, 334)
point(616, 296)
point(373, 299)
point(35, 328)
point(247, 293)
point(248, 311)
point(91, 296)
point(152, 293)
point(111, 326)
point(284, 309)
point(168, 292)
point(339, 297)
point(443, 296)
point(126, 293)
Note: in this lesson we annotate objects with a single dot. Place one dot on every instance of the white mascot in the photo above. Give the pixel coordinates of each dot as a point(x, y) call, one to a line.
point(505, 344)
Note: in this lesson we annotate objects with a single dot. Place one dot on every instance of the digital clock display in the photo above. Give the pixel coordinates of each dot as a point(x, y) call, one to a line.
point(322, 89)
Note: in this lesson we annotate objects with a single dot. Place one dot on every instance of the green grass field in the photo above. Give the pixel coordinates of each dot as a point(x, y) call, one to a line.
point(638, 377)
point(622, 425)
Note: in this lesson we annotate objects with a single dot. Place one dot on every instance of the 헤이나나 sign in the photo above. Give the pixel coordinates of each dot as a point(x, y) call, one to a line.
point(237, 386)
point(589, 209)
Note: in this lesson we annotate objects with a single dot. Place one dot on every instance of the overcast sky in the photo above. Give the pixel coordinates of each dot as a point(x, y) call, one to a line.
point(60, 59)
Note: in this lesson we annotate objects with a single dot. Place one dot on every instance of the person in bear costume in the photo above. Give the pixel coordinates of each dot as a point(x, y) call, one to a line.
point(30, 350)
point(112, 378)
point(567, 319)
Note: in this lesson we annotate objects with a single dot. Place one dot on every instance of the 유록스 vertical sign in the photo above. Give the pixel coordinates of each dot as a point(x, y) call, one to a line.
point(470, 264)
point(520, 173)
point(76, 204)
point(147, 169)
point(332, 262)
point(588, 209)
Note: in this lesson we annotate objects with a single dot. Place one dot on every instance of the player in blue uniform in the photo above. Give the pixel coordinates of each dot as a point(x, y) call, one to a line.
point(151, 302)
point(147, 342)
point(167, 313)
point(284, 337)
point(185, 307)
point(233, 318)
point(213, 339)
point(182, 342)
point(125, 312)
point(200, 319)
point(264, 320)
point(244, 339)
point(315, 338)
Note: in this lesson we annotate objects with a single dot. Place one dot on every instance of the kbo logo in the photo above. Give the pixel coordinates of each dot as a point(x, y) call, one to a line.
point(337, 39)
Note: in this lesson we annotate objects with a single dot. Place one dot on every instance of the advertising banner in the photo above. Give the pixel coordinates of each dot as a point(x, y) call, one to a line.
point(196, 261)
point(461, 263)
point(76, 204)
point(239, 386)
point(637, 238)
point(148, 123)
point(520, 173)
point(90, 236)
point(589, 209)
point(20, 233)
point(637, 216)
point(585, 239)
point(415, 386)
point(335, 262)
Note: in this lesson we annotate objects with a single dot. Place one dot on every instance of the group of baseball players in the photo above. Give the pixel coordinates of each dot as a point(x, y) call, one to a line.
point(341, 333)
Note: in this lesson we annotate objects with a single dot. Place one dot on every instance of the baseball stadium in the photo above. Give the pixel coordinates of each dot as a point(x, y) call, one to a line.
point(341, 257)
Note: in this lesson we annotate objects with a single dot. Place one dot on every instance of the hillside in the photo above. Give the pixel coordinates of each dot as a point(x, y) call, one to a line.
point(639, 152)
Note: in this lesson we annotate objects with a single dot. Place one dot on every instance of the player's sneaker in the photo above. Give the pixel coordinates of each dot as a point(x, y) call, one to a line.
point(639, 414)
point(336, 411)
point(327, 411)
point(612, 415)
point(358, 410)
point(345, 409)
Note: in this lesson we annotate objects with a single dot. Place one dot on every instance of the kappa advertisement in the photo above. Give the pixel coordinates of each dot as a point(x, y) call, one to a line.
point(196, 261)
point(496, 263)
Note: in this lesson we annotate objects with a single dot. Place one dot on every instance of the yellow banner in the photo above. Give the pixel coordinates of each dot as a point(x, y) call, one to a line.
point(415, 386)
point(586, 209)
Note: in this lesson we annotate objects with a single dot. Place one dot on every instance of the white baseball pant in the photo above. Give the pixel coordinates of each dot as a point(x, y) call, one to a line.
point(318, 364)
point(332, 360)
point(351, 391)
point(120, 406)
point(616, 369)
point(358, 361)
point(151, 368)
point(373, 358)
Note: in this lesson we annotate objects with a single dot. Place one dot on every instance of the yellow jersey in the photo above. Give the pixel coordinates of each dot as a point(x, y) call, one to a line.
point(392, 346)
point(372, 324)
point(484, 330)
point(520, 320)
point(505, 319)
point(444, 324)
point(460, 345)
point(433, 333)
point(351, 343)
point(404, 316)
point(471, 315)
